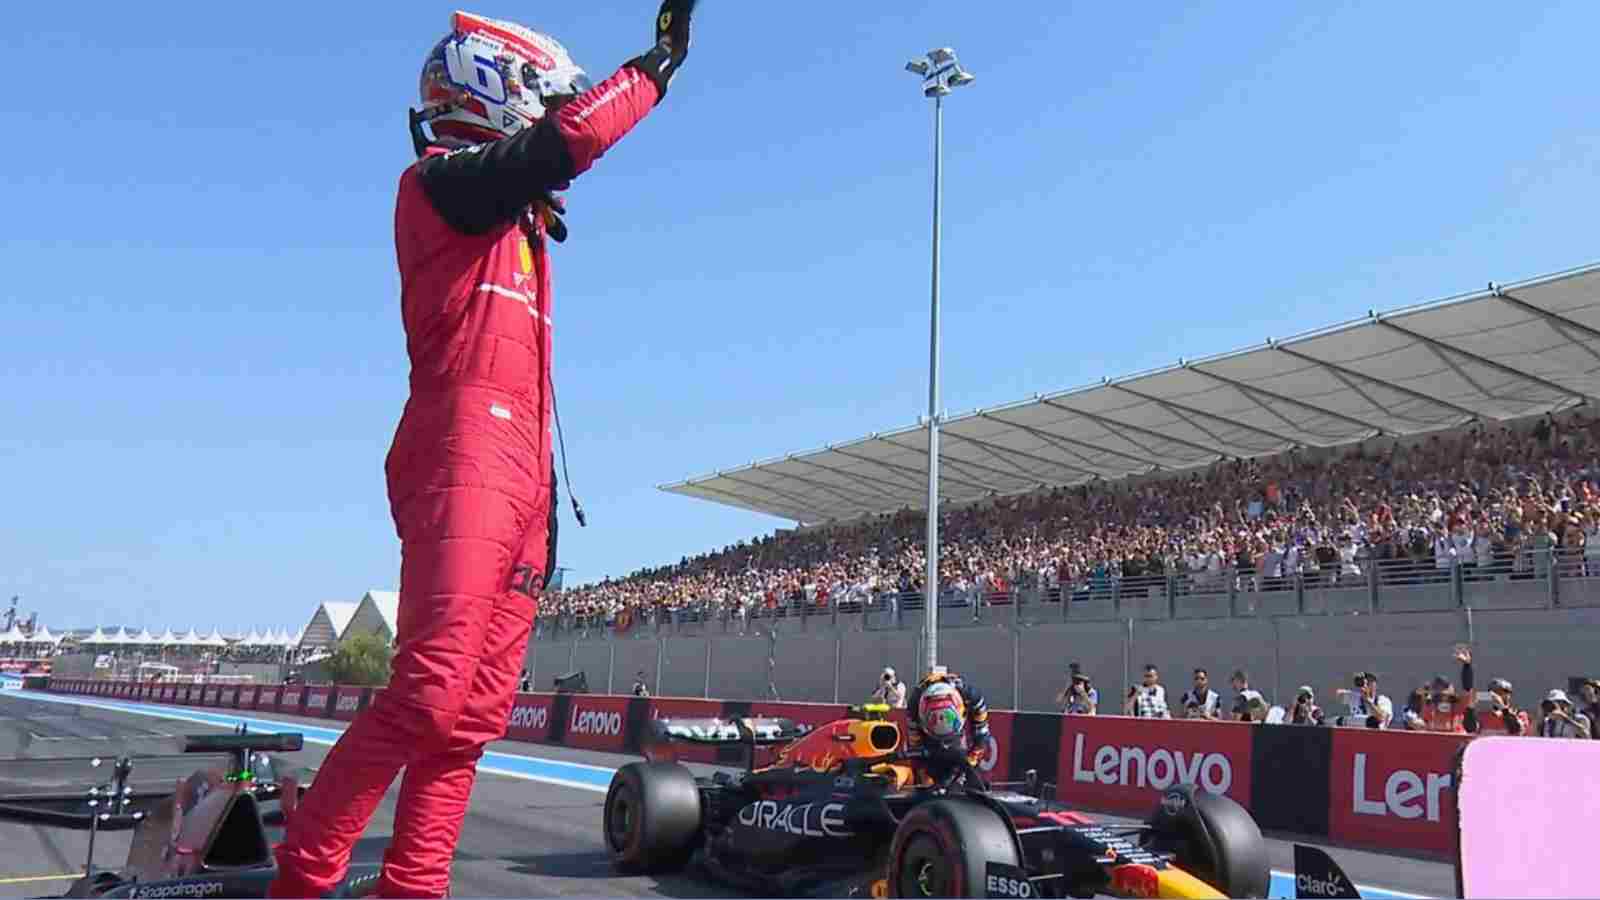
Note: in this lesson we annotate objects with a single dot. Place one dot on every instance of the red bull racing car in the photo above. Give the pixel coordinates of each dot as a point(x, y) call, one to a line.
point(846, 811)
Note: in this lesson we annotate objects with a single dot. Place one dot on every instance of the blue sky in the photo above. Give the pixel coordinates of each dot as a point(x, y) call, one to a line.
point(203, 362)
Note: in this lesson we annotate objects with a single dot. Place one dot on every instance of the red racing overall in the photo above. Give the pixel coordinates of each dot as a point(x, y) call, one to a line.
point(469, 481)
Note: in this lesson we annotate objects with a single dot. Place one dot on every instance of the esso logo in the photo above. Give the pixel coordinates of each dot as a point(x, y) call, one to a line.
point(530, 716)
point(1001, 886)
point(1159, 768)
point(1405, 794)
point(591, 721)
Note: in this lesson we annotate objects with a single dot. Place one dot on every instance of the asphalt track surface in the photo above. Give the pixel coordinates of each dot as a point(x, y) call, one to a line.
point(533, 829)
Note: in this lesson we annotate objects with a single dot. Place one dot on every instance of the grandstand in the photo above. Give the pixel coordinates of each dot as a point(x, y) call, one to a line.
point(1506, 353)
point(1361, 496)
point(1404, 383)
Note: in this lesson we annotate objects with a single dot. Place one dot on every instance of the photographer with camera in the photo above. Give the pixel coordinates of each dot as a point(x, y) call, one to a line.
point(1200, 701)
point(1306, 711)
point(1365, 707)
point(891, 690)
point(1078, 697)
point(1560, 720)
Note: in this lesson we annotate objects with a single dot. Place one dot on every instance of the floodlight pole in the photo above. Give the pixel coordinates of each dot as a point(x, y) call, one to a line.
point(931, 585)
point(940, 73)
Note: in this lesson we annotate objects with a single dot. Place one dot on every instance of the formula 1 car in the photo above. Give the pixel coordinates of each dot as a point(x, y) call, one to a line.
point(204, 834)
point(846, 811)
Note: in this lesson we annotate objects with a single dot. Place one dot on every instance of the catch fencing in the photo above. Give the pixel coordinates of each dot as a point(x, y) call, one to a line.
point(1530, 619)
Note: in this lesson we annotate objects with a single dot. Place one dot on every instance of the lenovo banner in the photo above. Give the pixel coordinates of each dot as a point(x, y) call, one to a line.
point(1393, 789)
point(209, 698)
point(247, 696)
point(347, 701)
point(318, 700)
point(1123, 764)
point(530, 718)
point(267, 697)
point(289, 699)
point(227, 697)
point(592, 722)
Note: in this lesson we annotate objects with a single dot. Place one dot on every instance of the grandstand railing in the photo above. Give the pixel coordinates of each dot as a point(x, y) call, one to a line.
point(1529, 578)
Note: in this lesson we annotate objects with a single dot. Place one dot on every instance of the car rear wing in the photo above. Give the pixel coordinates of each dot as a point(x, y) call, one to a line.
point(745, 731)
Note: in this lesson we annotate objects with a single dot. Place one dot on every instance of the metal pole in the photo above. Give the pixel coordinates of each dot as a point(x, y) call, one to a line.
point(931, 591)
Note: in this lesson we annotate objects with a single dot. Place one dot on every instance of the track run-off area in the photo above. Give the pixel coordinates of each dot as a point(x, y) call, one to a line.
point(533, 828)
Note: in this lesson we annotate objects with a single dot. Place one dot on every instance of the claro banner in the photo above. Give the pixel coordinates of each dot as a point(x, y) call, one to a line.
point(1393, 789)
point(1123, 764)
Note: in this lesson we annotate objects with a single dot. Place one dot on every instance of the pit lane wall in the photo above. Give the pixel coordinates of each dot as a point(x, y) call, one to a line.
point(1385, 790)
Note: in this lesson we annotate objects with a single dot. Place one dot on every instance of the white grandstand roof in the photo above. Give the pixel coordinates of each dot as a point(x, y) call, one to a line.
point(1504, 353)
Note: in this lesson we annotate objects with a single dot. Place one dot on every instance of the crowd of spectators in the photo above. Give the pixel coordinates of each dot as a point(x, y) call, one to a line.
point(1489, 499)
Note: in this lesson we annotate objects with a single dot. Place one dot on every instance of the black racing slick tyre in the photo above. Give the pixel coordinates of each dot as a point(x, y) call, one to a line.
point(652, 817)
point(1215, 839)
point(943, 848)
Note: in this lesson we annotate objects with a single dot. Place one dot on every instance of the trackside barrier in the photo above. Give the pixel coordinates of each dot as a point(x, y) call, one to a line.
point(1380, 789)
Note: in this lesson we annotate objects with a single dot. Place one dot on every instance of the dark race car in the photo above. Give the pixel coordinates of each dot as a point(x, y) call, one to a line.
point(197, 832)
point(845, 811)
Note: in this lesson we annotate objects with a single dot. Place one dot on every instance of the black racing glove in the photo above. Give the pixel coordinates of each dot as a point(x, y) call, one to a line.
point(672, 45)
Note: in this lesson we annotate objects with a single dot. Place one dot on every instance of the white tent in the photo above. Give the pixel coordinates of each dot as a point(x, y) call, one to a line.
point(13, 635)
point(42, 635)
point(169, 639)
point(117, 638)
point(251, 640)
point(99, 637)
point(148, 639)
point(192, 639)
point(215, 639)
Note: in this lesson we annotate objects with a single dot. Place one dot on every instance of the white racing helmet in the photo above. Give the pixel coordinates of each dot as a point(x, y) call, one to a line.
point(489, 79)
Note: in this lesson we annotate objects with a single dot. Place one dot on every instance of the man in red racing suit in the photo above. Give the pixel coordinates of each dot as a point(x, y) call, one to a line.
point(470, 481)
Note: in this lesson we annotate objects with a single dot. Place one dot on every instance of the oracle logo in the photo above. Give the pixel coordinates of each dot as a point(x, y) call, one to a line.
point(1159, 768)
point(530, 716)
point(348, 702)
point(1402, 791)
point(591, 721)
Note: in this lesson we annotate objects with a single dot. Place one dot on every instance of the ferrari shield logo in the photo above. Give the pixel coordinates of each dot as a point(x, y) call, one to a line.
point(526, 254)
